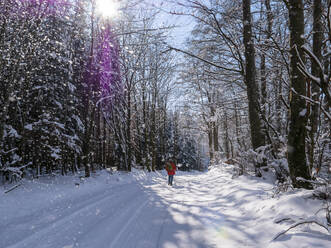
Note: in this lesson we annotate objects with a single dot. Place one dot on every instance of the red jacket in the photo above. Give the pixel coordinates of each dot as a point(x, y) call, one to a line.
point(171, 171)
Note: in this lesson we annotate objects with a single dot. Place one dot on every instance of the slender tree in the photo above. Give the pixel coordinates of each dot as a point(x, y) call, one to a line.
point(297, 128)
point(250, 78)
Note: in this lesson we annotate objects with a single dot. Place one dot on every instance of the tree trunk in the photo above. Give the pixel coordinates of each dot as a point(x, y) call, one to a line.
point(268, 39)
point(128, 128)
point(138, 142)
point(210, 142)
point(104, 141)
point(253, 95)
point(145, 149)
point(226, 135)
point(99, 139)
point(263, 87)
point(278, 95)
point(215, 131)
point(297, 128)
point(153, 132)
point(176, 136)
point(315, 70)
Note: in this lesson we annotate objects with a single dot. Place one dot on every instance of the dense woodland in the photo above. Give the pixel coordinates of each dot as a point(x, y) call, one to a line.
point(82, 93)
point(79, 92)
point(261, 81)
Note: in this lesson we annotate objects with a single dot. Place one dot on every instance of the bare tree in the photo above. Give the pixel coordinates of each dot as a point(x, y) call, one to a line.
point(297, 130)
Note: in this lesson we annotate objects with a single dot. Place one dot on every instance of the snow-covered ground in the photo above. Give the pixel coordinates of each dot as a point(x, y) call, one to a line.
point(139, 209)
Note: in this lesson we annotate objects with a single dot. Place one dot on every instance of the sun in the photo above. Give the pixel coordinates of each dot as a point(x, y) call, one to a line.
point(108, 8)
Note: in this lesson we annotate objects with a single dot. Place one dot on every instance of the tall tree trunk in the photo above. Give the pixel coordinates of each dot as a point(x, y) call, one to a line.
point(297, 129)
point(210, 141)
point(238, 130)
point(128, 128)
point(263, 62)
point(99, 139)
point(278, 96)
point(176, 136)
point(214, 125)
point(315, 70)
point(145, 149)
point(138, 142)
point(164, 130)
point(253, 95)
point(263, 87)
point(215, 133)
point(226, 135)
point(153, 130)
point(104, 141)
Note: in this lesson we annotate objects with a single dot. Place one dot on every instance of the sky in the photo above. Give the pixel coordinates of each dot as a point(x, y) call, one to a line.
point(179, 34)
point(183, 24)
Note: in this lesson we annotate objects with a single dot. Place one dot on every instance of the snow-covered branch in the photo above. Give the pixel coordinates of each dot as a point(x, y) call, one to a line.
point(311, 221)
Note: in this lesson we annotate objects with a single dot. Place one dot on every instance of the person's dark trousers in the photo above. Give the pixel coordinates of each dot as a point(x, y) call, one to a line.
point(170, 179)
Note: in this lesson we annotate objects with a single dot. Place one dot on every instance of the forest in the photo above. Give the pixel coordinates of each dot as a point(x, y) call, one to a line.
point(79, 92)
point(250, 85)
point(102, 102)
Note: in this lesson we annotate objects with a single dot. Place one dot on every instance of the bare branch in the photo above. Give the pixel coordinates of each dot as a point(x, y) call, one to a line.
point(206, 61)
point(312, 56)
point(12, 188)
point(300, 223)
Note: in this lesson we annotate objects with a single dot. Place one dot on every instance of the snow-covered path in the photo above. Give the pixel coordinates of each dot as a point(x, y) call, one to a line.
point(129, 215)
point(141, 210)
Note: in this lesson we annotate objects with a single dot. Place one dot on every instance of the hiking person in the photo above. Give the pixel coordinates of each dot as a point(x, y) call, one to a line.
point(171, 169)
